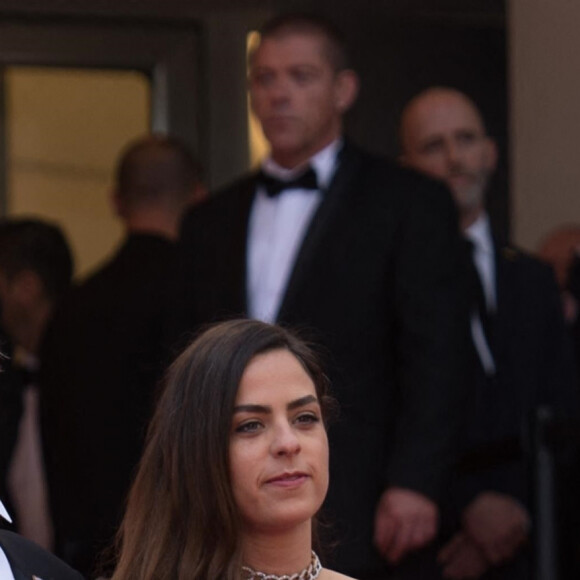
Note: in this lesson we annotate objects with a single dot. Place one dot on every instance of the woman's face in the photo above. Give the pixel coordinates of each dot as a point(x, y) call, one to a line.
point(278, 445)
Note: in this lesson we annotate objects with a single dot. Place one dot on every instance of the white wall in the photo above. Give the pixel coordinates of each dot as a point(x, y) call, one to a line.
point(544, 52)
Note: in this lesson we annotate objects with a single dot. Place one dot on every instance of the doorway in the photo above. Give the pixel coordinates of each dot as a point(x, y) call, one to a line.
point(64, 129)
point(74, 92)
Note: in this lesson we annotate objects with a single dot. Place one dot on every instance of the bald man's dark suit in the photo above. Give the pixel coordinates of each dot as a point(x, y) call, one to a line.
point(534, 363)
point(376, 281)
point(535, 367)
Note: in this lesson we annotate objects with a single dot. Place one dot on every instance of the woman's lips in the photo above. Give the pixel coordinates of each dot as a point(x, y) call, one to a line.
point(292, 479)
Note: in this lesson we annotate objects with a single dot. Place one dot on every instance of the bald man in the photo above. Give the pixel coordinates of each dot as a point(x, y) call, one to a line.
point(523, 358)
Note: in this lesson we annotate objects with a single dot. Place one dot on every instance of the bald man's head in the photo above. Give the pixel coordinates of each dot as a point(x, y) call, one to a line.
point(156, 169)
point(443, 135)
point(157, 180)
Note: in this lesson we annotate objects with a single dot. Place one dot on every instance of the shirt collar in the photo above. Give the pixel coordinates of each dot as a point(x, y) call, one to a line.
point(323, 163)
point(479, 232)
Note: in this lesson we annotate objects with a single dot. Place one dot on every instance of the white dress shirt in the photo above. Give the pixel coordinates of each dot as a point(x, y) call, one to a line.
point(276, 230)
point(479, 233)
point(26, 478)
point(5, 570)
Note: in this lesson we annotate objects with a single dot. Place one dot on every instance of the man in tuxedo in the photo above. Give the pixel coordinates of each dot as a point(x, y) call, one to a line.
point(365, 255)
point(518, 336)
point(102, 356)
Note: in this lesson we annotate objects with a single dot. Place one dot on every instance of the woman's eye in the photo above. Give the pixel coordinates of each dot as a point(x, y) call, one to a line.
point(249, 427)
point(307, 419)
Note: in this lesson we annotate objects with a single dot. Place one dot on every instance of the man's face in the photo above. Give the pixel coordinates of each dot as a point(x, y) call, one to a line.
point(443, 135)
point(297, 96)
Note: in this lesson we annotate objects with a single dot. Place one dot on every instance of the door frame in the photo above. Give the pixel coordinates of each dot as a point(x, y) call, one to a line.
point(167, 52)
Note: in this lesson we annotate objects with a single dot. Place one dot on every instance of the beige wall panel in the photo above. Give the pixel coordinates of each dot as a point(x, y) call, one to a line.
point(545, 84)
point(65, 131)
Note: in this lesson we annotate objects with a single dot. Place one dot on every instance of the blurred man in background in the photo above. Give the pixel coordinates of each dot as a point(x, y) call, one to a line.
point(103, 355)
point(35, 275)
point(523, 353)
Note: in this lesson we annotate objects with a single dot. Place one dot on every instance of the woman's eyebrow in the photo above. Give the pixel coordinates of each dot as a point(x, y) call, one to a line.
point(252, 409)
point(266, 409)
point(301, 402)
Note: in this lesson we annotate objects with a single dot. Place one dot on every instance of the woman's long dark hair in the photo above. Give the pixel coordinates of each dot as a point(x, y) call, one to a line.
point(181, 521)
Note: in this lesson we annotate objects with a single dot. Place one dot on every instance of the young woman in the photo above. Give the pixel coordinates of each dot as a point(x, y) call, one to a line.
point(236, 463)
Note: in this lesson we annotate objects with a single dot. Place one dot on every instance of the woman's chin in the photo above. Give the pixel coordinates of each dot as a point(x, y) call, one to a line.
point(282, 522)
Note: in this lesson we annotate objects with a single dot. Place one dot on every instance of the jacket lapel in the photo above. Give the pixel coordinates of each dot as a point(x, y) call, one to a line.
point(348, 165)
point(236, 239)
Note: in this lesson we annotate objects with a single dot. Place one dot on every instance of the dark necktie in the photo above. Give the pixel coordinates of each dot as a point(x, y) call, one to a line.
point(273, 186)
point(478, 295)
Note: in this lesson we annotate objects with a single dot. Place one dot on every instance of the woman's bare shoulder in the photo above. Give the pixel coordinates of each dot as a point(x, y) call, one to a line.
point(331, 575)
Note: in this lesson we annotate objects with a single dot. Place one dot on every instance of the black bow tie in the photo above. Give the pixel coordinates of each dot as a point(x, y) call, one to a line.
point(274, 186)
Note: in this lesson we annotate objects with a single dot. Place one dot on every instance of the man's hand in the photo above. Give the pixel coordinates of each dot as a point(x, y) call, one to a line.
point(462, 559)
point(497, 523)
point(404, 521)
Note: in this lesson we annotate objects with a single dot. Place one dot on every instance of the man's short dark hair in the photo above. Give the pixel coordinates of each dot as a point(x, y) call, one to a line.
point(31, 244)
point(154, 167)
point(315, 24)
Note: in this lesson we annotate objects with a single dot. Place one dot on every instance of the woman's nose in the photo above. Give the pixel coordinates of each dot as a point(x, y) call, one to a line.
point(285, 441)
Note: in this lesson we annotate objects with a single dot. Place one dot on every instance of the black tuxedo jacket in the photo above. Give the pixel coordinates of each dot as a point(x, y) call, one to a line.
point(377, 283)
point(535, 366)
point(101, 361)
point(27, 560)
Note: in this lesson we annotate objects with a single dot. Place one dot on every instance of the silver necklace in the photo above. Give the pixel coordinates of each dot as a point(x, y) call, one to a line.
point(311, 572)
